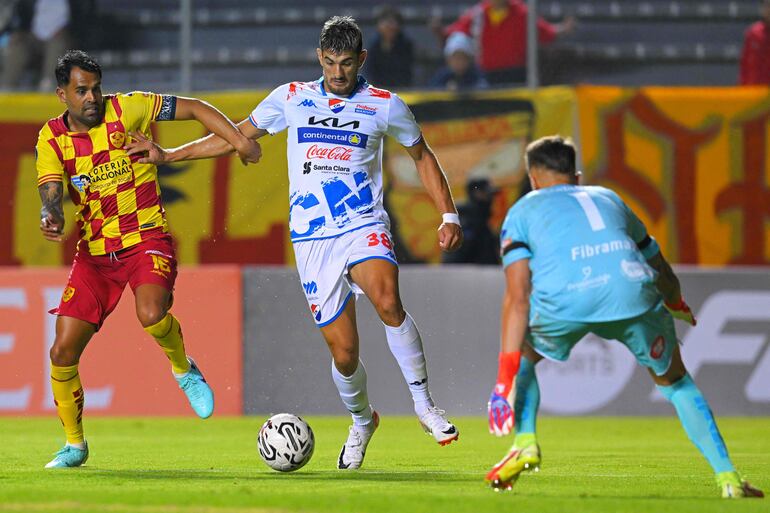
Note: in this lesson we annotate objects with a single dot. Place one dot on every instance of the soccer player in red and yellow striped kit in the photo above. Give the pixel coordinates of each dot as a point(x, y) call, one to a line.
point(124, 236)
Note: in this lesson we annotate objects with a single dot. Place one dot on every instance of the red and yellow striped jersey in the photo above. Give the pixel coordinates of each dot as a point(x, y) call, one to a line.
point(118, 199)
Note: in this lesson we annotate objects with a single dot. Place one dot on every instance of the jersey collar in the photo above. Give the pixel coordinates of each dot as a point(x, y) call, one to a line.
point(360, 86)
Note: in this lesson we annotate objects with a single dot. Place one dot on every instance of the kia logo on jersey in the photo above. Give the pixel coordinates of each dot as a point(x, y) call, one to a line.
point(336, 105)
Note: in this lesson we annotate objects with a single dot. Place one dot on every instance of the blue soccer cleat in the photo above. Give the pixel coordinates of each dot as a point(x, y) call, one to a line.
point(69, 456)
point(196, 389)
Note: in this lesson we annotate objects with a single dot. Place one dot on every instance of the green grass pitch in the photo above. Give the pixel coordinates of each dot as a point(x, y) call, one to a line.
point(152, 465)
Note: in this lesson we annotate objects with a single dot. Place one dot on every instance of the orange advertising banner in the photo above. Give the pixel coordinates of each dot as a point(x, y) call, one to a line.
point(692, 162)
point(123, 370)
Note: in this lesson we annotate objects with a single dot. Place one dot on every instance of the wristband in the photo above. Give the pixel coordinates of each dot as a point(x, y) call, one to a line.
point(450, 218)
point(508, 367)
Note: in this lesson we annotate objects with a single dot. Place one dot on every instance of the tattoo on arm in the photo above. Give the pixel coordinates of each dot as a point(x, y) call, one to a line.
point(51, 197)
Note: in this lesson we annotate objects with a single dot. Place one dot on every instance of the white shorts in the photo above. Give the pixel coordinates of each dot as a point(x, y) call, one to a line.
point(323, 266)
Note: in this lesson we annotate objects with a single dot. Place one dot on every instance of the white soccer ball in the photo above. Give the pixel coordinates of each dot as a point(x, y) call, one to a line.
point(285, 442)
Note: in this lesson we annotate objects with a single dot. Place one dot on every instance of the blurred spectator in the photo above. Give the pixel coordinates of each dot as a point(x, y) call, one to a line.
point(39, 31)
point(500, 30)
point(481, 245)
point(461, 72)
point(755, 58)
point(391, 52)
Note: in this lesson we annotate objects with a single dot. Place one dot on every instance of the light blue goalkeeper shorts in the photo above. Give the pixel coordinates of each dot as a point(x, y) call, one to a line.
point(651, 337)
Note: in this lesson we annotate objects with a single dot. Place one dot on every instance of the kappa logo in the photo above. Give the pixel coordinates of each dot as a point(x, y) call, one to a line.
point(310, 287)
point(306, 103)
point(306, 168)
point(336, 105)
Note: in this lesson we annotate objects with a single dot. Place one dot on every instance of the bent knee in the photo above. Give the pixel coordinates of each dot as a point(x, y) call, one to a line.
point(389, 308)
point(150, 315)
point(63, 356)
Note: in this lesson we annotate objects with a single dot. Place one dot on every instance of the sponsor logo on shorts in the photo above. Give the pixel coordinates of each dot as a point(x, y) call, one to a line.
point(310, 287)
point(68, 293)
point(365, 109)
point(657, 347)
point(306, 168)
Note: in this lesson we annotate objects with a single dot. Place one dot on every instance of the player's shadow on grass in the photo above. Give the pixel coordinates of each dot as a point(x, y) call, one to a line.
point(245, 476)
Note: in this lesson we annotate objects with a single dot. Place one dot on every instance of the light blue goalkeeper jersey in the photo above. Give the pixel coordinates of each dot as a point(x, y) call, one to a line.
point(587, 253)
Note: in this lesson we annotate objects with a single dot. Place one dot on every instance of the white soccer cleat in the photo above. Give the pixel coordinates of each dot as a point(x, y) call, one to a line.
point(353, 452)
point(435, 423)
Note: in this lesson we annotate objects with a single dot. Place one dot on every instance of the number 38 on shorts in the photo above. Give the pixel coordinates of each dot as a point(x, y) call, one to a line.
point(379, 238)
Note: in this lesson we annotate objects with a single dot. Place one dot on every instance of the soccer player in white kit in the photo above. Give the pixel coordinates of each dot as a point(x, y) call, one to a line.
point(339, 229)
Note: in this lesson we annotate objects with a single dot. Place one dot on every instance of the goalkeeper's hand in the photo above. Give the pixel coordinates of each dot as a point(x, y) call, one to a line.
point(500, 413)
point(681, 311)
point(500, 405)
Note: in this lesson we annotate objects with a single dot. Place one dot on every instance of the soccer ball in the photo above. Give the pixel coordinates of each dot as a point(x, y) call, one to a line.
point(285, 442)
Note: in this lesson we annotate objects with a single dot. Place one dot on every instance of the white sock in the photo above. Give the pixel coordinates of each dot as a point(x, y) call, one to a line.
point(352, 391)
point(406, 345)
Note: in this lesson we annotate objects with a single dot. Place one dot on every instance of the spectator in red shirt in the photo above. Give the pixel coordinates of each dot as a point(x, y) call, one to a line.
point(499, 28)
point(755, 58)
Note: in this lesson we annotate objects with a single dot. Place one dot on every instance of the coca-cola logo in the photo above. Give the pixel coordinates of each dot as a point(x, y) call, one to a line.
point(333, 153)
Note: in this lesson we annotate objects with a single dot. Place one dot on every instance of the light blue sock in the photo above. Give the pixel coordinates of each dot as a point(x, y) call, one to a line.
point(527, 398)
point(698, 422)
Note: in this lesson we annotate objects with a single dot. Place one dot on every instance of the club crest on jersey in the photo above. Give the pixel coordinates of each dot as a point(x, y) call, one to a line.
point(117, 139)
point(336, 105)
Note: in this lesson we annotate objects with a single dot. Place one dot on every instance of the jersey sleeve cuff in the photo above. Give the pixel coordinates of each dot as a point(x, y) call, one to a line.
point(515, 255)
point(51, 177)
point(650, 247)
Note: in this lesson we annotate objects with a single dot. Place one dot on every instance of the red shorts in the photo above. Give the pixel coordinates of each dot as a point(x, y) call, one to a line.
point(96, 283)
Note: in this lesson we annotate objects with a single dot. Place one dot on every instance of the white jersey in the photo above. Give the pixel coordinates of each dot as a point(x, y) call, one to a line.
point(335, 153)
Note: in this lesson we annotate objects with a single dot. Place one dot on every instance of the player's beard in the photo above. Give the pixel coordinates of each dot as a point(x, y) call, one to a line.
point(340, 88)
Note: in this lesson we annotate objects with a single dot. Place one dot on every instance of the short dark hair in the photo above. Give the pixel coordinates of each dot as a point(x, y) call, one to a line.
point(341, 34)
point(554, 153)
point(75, 59)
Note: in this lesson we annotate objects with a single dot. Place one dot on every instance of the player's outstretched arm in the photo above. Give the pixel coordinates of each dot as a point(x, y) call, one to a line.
point(450, 235)
point(514, 320)
point(216, 122)
point(669, 287)
point(206, 147)
point(52, 212)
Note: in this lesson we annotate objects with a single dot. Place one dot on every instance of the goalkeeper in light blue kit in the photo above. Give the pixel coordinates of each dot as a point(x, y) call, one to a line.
point(577, 260)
